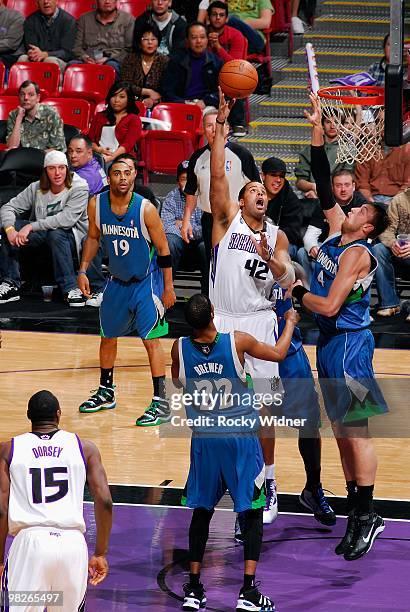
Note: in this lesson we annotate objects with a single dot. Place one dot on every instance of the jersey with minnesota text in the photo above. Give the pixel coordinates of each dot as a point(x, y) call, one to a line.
point(277, 296)
point(126, 238)
point(240, 280)
point(47, 478)
point(220, 381)
point(354, 313)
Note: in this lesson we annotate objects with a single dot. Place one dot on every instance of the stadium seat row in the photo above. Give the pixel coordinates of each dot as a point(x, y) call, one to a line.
point(76, 8)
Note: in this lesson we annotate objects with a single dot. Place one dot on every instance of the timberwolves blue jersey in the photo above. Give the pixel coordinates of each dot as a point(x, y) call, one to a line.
point(125, 238)
point(281, 306)
point(218, 381)
point(354, 313)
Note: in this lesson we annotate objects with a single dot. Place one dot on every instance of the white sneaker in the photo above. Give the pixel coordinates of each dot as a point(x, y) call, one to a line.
point(75, 298)
point(270, 511)
point(95, 300)
point(297, 25)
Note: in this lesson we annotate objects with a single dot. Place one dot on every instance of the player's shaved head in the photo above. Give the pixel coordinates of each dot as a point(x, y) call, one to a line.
point(198, 311)
point(43, 406)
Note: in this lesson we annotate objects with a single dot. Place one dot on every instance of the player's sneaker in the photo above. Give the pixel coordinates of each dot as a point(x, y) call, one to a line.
point(252, 600)
point(346, 541)
point(317, 503)
point(270, 511)
point(194, 597)
point(8, 293)
point(158, 412)
point(102, 398)
point(239, 527)
point(95, 299)
point(366, 530)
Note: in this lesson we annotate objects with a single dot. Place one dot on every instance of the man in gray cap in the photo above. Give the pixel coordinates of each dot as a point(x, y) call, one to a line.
point(284, 207)
point(57, 208)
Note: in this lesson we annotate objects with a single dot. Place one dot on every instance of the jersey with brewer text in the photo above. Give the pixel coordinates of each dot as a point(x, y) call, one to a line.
point(47, 478)
point(240, 280)
point(126, 238)
point(354, 313)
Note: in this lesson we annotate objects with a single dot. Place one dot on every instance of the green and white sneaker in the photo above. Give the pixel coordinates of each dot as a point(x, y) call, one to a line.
point(102, 398)
point(158, 412)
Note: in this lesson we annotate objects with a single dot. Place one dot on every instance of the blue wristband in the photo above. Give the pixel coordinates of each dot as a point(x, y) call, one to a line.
point(82, 272)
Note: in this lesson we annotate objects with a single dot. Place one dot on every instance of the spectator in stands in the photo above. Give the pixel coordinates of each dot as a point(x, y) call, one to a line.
point(378, 69)
point(171, 25)
point(57, 208)
point(172, 212)
point(117, 129)
point(81, 160)
point(104, 36)
point(145, 66)
point(192, 74)
point(348, 197)
point(393, 254)
point(228, 44)
point(380, 180)
point(49, 35)
point(33, 124)
point(12, 32)
point(303, 171)
point(284, 207)
point(240, 169)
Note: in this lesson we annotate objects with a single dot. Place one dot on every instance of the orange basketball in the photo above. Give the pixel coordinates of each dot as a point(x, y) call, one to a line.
point(238, 79)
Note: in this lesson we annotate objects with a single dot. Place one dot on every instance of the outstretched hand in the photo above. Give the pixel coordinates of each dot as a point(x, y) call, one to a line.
point(262, 247)
point(224, 107)
point(315, 115)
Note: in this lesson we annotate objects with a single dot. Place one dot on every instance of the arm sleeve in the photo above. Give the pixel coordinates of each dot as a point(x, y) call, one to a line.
point(67, 38)
point(11, 122)
point(79, 45)
point(311, 237)
point(388, 237)
point(74, 208)
point(56, 138)
point(30, 33)
point(96, 128)
point(321, 174)
point(362, 176)
point(168, 212)
point(12, 41)
point(131, 133)
point(303, 167)
point(179, 35)
point(18, 205)
point(126, 43)
point(191, 187)
point(170, 82)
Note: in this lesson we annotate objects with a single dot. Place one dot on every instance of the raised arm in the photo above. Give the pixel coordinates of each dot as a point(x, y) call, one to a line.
point(222, 206)
point(321, 169)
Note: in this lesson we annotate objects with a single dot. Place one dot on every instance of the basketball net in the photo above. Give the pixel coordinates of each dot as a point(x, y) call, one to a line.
point(358, 116)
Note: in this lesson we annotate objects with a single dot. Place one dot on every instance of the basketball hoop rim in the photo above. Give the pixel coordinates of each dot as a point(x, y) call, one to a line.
point(333, 93)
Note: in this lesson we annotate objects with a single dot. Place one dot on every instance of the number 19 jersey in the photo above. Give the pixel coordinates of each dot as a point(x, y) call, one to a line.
point(47, 478)
point(240, 279)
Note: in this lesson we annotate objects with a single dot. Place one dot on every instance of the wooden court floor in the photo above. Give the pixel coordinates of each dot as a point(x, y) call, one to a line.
point(67, 365)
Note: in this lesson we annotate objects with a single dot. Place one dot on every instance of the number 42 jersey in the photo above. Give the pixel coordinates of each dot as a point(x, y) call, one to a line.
point(47, 478)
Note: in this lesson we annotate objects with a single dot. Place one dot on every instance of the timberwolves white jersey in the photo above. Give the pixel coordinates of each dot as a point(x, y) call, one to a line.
point(47, 478)
point(240, 279)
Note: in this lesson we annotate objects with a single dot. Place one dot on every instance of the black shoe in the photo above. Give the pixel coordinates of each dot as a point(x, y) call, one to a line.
point(102, 398)
point(366, 530)
point(252, 600)
point(194, 597)
point(8, 293)
point(346, 541)
point(158, 412)
point(317, 503)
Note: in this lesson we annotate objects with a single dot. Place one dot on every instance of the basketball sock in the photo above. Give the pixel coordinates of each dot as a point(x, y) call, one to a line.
point(194, 579)
point(364, 500)
point(252, 534)
point(351, 488)
point(158, 382)
point(248, 581)
point(106, 377)
point(198, 533)
point(270, 472)
point(310, 451)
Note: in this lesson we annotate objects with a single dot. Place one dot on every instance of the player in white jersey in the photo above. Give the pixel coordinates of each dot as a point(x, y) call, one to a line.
point(42, 478)
point(248, 255)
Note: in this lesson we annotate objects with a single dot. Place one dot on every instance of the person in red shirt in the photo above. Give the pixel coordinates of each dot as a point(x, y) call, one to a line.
point(228, 44)
point(117, 129)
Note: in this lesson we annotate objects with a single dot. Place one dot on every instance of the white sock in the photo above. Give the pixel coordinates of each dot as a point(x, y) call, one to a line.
point(270, 472)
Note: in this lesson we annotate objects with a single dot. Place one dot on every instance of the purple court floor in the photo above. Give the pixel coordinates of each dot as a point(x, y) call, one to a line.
point(148, 561)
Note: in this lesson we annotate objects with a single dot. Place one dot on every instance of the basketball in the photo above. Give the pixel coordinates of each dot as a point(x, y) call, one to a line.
point(238, 79)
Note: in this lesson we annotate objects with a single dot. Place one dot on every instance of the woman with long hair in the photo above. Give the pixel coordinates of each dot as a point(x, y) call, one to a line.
point(117, 129)
point(144, 67)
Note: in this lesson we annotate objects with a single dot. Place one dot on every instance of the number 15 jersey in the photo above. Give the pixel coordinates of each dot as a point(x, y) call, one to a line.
point(240, 279)
point(47, 478)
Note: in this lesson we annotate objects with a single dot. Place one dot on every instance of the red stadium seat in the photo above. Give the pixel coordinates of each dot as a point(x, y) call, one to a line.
point(182, 117)
point(162, 151)
point(76, 8)
point(88, 81)
point(46, 74)
point(134, 7)
point(25, 7)
point(7, 104)
point(73, 111)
